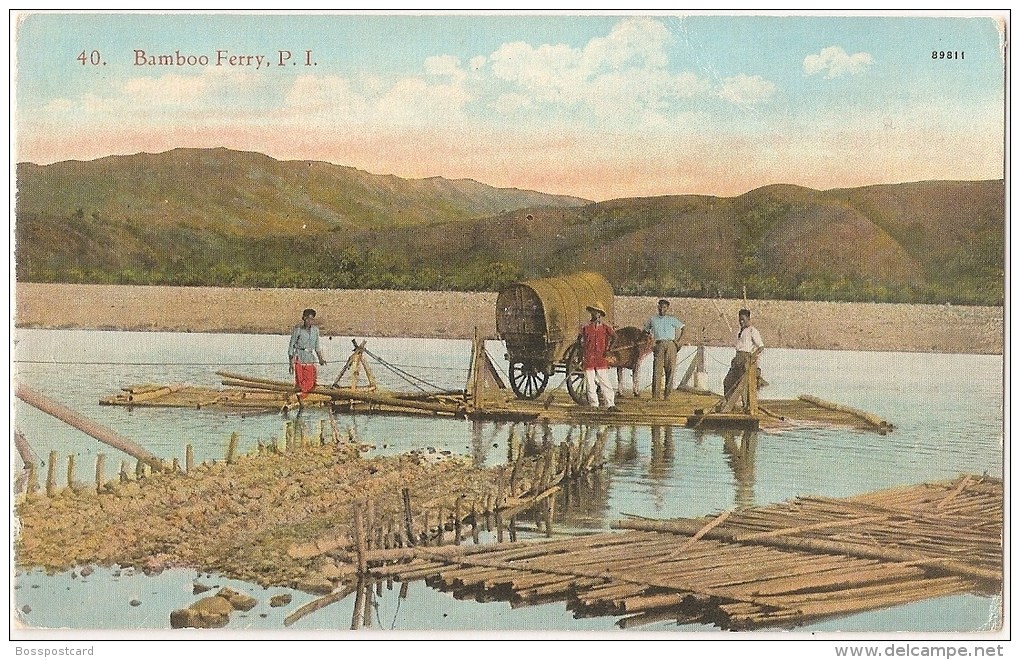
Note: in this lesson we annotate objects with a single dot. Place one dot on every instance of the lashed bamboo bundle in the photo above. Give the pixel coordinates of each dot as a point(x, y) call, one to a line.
point(781, 565)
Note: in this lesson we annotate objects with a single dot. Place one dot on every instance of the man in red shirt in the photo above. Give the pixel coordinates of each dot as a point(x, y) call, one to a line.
point(595, 337)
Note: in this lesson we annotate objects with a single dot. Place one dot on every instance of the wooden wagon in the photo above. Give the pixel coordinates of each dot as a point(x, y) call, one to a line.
point(539, 321)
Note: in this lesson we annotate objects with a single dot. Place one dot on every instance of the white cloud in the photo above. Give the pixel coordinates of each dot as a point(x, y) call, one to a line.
point(743, 89)
point(836, 62)
point(623, 75)
point(444, 65)
point(638, 40)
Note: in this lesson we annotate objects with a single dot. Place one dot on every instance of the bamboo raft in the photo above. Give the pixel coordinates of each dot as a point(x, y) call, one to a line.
point(778, 566)
point(245, 395)
point(486, 398)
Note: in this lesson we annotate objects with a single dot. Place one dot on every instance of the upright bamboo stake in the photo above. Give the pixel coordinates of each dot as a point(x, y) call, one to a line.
point(232, 447)
point(100, 464)
point(51, 475)
point(456, 521)
point(359, 537)
point(370, 524)
point(31, 485)
point(752, 384)
point(70, 472)
point(189, 459)
point(408, 520)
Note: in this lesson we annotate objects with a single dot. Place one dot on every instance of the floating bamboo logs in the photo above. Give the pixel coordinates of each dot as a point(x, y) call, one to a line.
point(874, 420)
point(342, 394)
point(149, 394)
point(816, 546)
point(85, 425)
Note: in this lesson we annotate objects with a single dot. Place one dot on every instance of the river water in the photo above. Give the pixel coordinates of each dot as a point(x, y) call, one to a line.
point(948, 412)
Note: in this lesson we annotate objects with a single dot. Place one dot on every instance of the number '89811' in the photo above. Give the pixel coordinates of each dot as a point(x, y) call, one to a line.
point(947, 54)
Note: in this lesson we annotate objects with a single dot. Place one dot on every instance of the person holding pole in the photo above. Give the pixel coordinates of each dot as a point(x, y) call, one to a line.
point(747, 342)
point(666, 330)
point(302, 353)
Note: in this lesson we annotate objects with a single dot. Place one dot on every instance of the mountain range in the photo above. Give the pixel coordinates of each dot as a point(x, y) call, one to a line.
point(222, 217)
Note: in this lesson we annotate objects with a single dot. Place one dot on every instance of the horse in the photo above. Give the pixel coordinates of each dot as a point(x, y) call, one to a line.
point(627, 351)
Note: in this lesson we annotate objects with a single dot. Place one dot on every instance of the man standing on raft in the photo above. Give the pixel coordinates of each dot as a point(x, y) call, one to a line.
point(302, 353)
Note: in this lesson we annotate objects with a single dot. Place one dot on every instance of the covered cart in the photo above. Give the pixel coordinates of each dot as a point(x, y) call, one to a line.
point(539, 321)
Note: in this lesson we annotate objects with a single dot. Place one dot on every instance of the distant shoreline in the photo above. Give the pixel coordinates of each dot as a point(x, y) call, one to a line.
point(455, 315)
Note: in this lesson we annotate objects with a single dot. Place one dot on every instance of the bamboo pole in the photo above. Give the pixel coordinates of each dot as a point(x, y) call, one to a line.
point(342, 394)
point(817, 546)
point(24, 449)
point(100, 464)
point(232, 447)
point(316, 605)
point(189, 459)
point(359, 537)
point(456, 519)
point(51, 475)
point(31, 484)
point(85, 425)
point(408, 520)
point(70, 472)
point(874, 420)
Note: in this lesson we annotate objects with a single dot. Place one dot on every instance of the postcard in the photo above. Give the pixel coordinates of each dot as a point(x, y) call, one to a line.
point(606, 325)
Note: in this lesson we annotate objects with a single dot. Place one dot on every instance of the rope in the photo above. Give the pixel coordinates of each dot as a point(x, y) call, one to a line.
point(202, 364)
point(409, 378)
point(154, 364)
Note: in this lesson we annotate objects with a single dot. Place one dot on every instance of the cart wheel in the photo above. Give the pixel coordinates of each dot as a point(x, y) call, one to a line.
point(526, 381)
point(575, 375)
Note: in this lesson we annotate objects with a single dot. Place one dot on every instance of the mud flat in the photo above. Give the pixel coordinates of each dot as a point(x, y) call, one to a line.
point(454, 315)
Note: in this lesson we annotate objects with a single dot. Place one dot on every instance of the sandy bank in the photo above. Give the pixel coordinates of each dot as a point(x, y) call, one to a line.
point(822, 325)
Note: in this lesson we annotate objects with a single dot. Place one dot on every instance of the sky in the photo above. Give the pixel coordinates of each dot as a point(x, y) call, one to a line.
point(595, 106)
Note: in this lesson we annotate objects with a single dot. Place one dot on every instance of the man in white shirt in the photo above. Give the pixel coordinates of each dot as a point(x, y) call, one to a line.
point(748, 341)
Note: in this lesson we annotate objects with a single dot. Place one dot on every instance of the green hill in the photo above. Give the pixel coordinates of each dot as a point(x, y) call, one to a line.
point(220, 217)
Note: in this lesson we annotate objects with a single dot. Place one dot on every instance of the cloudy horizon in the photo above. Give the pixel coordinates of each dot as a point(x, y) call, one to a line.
point(598, 107)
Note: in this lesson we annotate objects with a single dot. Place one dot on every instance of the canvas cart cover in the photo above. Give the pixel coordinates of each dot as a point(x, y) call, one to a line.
point(539, 319)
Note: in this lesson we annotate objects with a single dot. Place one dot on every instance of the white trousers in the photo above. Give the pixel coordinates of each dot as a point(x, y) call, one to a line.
point(600, 377)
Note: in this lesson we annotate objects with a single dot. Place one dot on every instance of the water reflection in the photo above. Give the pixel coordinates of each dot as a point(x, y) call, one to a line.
point(740, 449)
point(625, 448)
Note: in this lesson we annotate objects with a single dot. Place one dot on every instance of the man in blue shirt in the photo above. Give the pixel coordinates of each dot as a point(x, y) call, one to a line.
point(666, 331)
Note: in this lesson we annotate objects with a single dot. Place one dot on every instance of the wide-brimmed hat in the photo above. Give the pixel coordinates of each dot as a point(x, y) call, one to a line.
point(597, 307)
